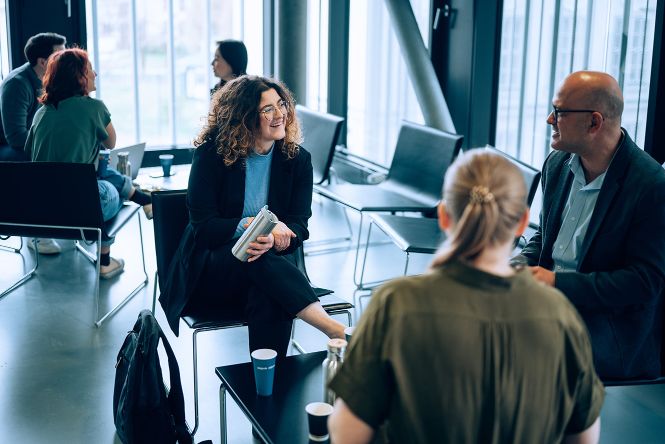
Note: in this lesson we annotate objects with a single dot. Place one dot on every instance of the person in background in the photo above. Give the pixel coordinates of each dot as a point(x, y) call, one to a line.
point(601, 237)
point(71, 127)
point(230, 62)
point(247, 156)
point(474, 350)
point(19, 93)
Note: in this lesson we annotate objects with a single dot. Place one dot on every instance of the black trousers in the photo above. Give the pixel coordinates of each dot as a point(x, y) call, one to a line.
point(269, 292)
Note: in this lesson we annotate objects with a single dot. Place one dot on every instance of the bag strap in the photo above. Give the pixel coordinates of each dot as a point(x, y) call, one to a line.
point(176, 398)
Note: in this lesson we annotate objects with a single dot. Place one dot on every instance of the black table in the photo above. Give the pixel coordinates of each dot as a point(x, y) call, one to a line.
point(280, 418)
point(631, 414)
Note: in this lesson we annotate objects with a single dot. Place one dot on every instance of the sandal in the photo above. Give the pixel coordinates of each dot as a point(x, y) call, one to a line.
point(112, 269)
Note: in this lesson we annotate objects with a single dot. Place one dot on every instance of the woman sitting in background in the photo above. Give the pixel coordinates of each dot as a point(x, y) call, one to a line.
point(473, 351)
point(70, 128)
point(247, 156)
point(230, 62)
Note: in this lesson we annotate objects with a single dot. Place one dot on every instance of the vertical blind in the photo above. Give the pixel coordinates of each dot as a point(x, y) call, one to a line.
point(543, 41)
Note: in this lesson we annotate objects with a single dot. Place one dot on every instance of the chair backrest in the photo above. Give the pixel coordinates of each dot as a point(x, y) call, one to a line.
point(320, 135)
point(170, 218)
point(422, 157)
point(531, 175)
point(35, 197)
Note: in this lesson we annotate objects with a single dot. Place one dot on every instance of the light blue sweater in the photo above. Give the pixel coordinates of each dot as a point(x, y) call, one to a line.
point(257, 182)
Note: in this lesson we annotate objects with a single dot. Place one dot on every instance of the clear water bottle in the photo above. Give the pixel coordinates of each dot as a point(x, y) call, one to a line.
point(331, 364)
point(124, 166)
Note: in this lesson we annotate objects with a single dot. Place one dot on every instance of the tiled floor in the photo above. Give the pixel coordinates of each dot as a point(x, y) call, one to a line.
point(57, 370)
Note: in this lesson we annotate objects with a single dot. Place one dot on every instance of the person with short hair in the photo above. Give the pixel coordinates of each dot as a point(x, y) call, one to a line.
point(19, 93)
point(601, 236)
point(230, 62)
point(474, 350)
point(247, 156)
point(71, 127)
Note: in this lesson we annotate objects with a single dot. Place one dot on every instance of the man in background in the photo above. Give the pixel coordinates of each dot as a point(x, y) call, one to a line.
point(19, 94)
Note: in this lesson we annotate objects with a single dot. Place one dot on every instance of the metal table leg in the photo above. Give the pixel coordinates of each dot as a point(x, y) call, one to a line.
point(222, 414)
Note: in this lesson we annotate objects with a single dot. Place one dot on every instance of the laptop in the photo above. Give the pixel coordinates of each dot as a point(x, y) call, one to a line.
point(135, 157)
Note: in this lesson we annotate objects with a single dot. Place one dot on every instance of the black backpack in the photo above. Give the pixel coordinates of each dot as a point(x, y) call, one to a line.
point(143, 412)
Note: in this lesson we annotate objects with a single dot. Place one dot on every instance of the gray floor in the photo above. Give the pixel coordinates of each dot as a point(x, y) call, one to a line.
point(57, 370)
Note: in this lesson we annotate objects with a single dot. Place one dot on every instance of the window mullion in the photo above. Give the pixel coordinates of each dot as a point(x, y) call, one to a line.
point(171, 68)
point(135, 72)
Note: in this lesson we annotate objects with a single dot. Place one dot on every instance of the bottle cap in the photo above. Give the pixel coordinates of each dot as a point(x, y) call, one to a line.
point(336, 345)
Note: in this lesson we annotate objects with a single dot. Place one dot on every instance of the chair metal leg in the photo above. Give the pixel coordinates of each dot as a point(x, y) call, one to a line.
point(88, 255)
point(360, 284)
point(335, 240)
point(222, 414)
point(142, 284)
point(196, 382)
point(154, 293)
point(27, 275)
point(406, 263)
point(10, 248)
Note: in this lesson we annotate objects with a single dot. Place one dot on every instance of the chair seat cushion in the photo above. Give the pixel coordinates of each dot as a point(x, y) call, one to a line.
point(371, 198)
point(411, 234)
point(112, 226)
point(216, 318)
point(332, 303)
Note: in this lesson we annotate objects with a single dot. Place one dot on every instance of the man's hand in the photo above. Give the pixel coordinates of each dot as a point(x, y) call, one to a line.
point(260, 246)
point(283, 235)
point(543, 275)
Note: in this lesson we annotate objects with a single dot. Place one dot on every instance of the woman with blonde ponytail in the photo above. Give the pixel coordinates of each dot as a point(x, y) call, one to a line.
point(474, 350)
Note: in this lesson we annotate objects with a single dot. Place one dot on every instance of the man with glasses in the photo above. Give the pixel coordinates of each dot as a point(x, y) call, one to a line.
point(601, 239)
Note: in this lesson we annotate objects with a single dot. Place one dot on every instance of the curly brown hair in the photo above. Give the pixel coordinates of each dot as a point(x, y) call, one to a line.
point(233, 120)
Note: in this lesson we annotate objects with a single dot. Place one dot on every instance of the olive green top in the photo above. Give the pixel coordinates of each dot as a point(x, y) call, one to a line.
point(462, 356)
point(70, 132)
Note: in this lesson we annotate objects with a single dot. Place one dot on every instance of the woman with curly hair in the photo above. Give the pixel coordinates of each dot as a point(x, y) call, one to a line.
point(71, 127)
point(247, 156)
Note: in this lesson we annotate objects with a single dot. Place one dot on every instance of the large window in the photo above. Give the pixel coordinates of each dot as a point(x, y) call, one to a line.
point(153, 60)
point(4, 50)
point(317, 54)
point(380, 90)
point(543, 41)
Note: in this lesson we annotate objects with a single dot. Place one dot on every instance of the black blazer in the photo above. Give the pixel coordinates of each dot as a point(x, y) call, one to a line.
point(620, 277)
point(215, 199)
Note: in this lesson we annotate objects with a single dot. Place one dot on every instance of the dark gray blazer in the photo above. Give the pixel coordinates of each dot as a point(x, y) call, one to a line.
point(620, 277)
point(215, 199)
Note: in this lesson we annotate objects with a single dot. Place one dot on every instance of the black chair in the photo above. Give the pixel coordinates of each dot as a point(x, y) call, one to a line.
point(414, 181)
point(60, 200)
point(658, 380)
point(320, 135)
point(422, 234)
point(170, 218)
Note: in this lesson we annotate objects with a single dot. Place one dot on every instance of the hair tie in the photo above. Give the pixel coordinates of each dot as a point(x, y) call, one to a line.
point(481, 195)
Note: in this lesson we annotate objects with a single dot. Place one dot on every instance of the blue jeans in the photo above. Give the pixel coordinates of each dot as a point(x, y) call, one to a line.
point(121, 183)
point(111, 204)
